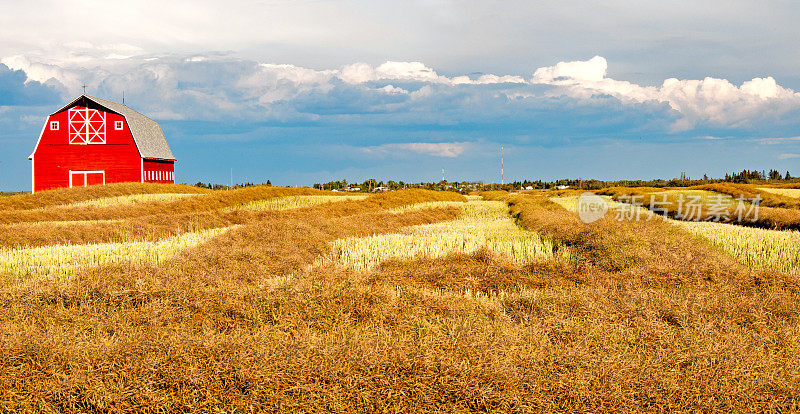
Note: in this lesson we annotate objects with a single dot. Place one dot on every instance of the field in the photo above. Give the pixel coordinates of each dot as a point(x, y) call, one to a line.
point(161, 298)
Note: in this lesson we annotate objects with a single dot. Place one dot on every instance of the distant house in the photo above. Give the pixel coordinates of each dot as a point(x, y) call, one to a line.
point(562, 187)
point(529, 187)
point(378, 189)
point(354, 189)
point(91, 141)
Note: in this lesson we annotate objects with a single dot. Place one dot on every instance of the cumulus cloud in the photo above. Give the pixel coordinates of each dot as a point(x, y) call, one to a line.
point(415, 72)
point(710, 100)
point(593, 70)
point(219, 86)
point(435, 149)
point(16, 89)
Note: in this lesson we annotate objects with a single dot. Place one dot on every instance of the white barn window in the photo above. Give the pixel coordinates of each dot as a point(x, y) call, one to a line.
point(118, 125)
point(54, 125)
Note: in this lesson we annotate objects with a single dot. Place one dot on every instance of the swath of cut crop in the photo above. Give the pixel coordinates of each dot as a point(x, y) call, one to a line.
point(186, 205)
point(62, 196)
point(63, 260)
point(786, 192)
point(636, 253)
point(757, 248)
point(290, 202)
point(129, 199)
point(717, 202)
point(754, 247)
point(482, 225)
point(426, 206)
point(64, 223)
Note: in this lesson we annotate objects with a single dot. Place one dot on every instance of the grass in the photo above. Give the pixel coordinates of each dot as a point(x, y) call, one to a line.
point(758, 248)
point(290, 202)
point(64, 260)
point(481, 225)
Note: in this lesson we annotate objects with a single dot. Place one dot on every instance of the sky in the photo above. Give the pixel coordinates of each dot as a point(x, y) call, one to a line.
point(299, 92)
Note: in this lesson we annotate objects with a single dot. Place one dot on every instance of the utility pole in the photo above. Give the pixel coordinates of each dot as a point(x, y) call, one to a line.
point(502, 167)
point(231, 177)
point(442, 174)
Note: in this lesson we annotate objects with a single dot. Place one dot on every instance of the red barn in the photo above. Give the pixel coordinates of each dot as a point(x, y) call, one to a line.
point(93, 141)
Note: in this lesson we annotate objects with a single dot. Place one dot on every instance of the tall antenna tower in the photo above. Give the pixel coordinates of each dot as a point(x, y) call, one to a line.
point(502, 167)
point(443, 174)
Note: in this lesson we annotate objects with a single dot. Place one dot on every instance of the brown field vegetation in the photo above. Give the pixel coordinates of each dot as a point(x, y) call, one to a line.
point(74, 195)
point(147, 220)
point(775, 211)
point(649, 319)
point(751, 191)
point(215, 200)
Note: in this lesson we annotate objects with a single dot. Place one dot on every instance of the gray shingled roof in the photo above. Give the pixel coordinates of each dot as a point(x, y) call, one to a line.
point(146, 133)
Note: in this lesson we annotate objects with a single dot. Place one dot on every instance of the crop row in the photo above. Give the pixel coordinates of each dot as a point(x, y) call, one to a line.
point(290, 202)
point(63, 260)
point(482, 224)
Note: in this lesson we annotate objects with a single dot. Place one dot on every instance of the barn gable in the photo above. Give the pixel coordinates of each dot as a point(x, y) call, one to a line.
point(147, 134)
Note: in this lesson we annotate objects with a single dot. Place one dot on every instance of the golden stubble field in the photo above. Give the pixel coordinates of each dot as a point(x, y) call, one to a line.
point(161, 298)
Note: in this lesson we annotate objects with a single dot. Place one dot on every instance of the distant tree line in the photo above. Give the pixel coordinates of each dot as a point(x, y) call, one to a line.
point(373, 185)
point(227, 187)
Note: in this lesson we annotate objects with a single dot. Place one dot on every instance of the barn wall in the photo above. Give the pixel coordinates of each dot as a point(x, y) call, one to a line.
point(55, 157)
point(158, 171)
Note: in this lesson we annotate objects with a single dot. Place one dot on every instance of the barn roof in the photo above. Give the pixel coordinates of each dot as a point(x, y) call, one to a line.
point(146, 133)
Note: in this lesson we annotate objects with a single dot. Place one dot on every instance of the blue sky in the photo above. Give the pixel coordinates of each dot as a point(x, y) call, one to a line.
point(308, 91)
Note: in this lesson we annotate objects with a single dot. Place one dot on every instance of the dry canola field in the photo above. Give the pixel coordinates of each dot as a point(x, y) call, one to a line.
point(171, 298)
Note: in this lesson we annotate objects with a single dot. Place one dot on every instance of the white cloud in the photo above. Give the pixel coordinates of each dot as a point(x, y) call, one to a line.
point(41, 72)
point(710, 100)
point(393, 90)
point(414, 72)
point(788, 156)
point(490, 79)
point(437, 149)
point(226, 83)
point(593, 69)
point(405, 71)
